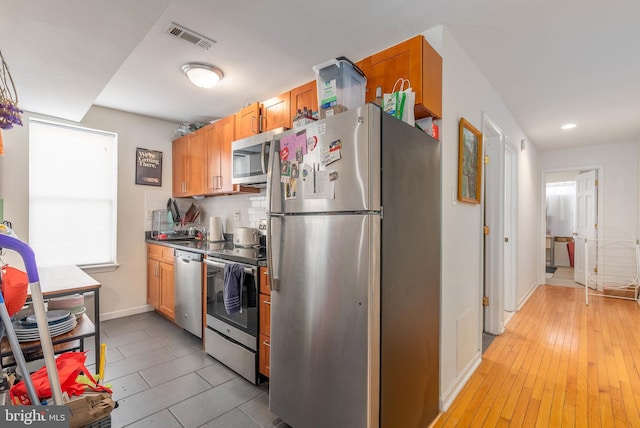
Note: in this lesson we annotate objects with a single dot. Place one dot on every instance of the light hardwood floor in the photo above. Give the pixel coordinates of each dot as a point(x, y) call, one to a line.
point(559, 363)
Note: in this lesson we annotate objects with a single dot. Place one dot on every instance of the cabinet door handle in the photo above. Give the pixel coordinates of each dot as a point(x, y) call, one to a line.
point(267, 302)
point(266, 343)
point(156, 270)
point(184, 187)
point(219, 182)
point(254, 131)
point(263, 119)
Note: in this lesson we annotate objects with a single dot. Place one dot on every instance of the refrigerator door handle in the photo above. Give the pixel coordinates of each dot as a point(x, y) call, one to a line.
point(273, 251)
point(274, 190)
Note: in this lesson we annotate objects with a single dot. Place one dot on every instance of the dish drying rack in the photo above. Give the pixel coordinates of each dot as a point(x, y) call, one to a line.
point(12, 243)
point(164, 228)
point(612, 268)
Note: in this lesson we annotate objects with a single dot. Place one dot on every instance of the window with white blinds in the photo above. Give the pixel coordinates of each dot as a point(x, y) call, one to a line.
point(72, 194)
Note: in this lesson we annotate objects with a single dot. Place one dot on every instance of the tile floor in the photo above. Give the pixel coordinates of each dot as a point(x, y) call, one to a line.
point(161, 377)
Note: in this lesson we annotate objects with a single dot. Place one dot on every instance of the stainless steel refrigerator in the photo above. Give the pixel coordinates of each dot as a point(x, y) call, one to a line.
point(354, 258)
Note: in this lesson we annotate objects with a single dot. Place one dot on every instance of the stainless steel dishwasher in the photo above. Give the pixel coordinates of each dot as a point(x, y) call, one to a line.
point(188, 291)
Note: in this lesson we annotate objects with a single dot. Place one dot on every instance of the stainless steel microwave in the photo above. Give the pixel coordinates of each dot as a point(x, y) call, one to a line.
point(250, 157)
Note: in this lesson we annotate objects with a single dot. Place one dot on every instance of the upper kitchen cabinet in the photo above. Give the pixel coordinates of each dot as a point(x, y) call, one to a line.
point(413, 59)
point(220, 134)
point(304, 96)
point(259, 117)
point(248, 121)
point(276, 112)
point(189, 154)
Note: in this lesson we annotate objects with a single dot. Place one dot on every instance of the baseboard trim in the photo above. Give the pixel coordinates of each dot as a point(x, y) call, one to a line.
point(525, 298)
point(447, 399)
point(125, 312)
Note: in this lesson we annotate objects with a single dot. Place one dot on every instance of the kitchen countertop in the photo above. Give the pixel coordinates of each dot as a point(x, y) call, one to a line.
point(223, 249)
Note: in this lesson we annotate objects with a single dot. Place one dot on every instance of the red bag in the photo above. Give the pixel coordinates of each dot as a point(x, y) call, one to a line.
point(70, 365)
point(14, 288)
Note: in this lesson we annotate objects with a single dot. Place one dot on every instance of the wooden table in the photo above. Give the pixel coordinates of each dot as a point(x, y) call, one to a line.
point(63, 281)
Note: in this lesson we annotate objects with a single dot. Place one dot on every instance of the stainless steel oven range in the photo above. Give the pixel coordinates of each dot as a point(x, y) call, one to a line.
point(232, 339)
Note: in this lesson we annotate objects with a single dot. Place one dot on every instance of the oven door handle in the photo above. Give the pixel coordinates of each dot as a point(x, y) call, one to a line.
point(222, 265)
point(212, 263)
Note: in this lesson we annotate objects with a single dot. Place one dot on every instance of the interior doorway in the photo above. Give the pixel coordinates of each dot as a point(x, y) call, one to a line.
point(570, 205)
point(500, 221)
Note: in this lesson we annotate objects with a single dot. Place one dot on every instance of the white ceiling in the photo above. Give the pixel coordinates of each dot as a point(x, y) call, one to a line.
point(551, 61)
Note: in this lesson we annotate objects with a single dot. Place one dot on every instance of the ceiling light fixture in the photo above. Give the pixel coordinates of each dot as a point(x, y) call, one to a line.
point(569, 126)
point(202, 75)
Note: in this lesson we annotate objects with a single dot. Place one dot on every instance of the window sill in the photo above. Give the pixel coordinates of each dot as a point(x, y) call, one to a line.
point(100, 268)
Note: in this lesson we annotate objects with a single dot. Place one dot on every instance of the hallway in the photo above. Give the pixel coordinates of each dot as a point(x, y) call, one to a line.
point(559, 363)
point(562, 276)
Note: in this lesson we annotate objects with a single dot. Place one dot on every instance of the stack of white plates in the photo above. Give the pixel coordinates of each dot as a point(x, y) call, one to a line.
point(73, 303)
point(60, 322)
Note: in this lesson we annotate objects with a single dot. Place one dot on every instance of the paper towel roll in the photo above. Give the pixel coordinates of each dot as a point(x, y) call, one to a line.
point(215, 229)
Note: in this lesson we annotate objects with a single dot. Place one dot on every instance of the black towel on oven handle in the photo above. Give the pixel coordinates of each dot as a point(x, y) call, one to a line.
point(233, 280)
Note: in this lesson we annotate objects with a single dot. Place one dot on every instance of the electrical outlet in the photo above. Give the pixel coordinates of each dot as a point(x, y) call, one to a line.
point(236, 216)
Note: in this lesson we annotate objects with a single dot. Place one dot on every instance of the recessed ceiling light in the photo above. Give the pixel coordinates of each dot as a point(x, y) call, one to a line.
point(569, 126)
point(203, 75)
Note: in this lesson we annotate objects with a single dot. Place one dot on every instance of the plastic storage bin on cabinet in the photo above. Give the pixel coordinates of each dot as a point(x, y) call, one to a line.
point(341, 86)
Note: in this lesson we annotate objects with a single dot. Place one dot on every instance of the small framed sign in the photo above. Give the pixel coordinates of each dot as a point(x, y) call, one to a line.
point(148, 167)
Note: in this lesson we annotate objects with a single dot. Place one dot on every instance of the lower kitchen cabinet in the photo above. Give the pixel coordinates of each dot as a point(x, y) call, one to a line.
point(160, 287)
point(264, 360)
point(264, 351)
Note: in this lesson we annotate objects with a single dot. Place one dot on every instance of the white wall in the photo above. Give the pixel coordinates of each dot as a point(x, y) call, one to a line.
point(466, 93)
point(123, 290)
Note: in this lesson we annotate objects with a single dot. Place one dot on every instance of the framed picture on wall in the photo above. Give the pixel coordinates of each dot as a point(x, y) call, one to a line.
point(148, 167)
point(469, 163)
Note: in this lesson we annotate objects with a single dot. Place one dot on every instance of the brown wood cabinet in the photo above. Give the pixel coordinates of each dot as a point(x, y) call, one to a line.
point(160, 287)
point(304, 96)
point(188, 158)
point(202, 161)
point(276, 112)
point(259, 117)
point(179, 163)
point(248, 121)
point(220, 134)
point(264, 351)
point(413, 59)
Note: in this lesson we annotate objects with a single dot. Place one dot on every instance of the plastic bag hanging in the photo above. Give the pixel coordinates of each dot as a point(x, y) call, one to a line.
point(400, 102)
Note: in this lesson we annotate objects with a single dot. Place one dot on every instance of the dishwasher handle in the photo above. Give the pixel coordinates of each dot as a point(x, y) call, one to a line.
point(187, 256)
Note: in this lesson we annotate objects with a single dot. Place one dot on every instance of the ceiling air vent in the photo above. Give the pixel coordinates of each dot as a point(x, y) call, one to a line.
point(190, 36)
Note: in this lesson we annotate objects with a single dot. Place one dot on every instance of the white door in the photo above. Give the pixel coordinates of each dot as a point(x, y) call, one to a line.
point(586, 221)
point(510, 229)
point(494, 209)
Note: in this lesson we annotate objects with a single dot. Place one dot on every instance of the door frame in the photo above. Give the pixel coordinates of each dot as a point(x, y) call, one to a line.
point(543, 204)
point(494, 212)
point(512, 173)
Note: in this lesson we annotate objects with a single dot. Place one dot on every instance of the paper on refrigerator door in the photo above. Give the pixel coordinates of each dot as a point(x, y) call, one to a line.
point(318, 184)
